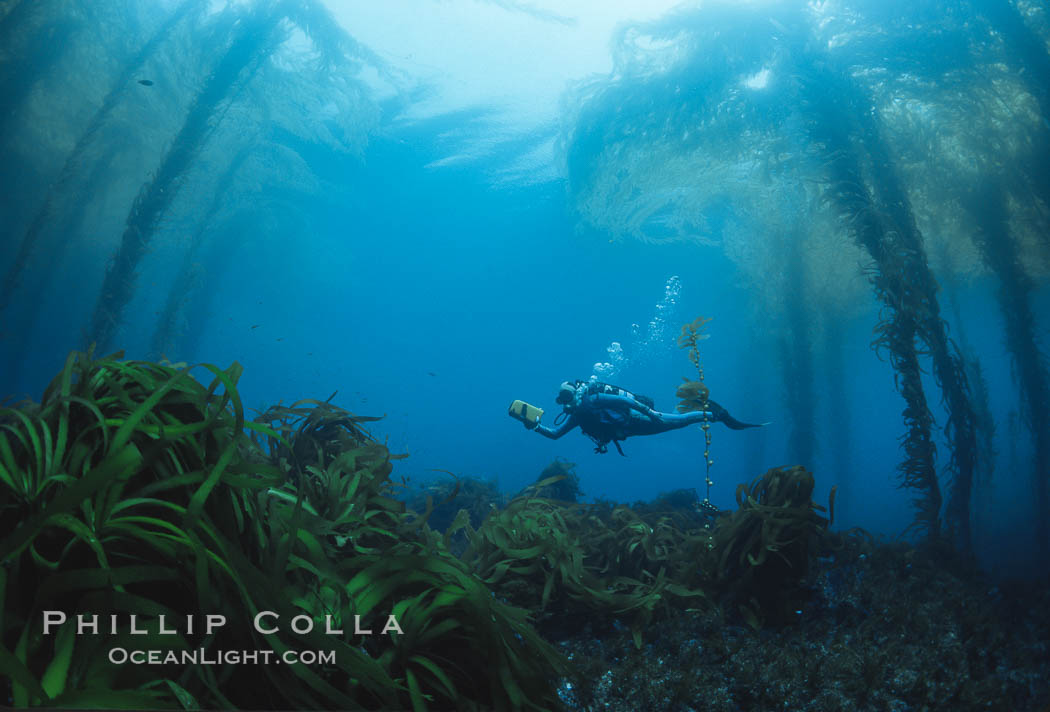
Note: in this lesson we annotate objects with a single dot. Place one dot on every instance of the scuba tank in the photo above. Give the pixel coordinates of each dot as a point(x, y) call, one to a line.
point(597, 387)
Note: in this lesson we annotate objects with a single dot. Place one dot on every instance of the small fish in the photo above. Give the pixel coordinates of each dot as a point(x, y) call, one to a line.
point(281, 339)
point(146, 82)
point(431, 373)
point(255, 326)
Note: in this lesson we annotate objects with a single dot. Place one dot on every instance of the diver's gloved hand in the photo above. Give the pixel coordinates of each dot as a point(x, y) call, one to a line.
point(531, 425)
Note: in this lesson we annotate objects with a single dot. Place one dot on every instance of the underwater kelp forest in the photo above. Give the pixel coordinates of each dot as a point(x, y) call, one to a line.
point(288, 289)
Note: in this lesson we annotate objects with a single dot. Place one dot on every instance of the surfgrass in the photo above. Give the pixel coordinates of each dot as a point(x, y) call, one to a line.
point(134, 488)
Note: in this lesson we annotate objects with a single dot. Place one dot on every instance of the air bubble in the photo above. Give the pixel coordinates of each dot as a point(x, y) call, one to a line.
point(645, 346)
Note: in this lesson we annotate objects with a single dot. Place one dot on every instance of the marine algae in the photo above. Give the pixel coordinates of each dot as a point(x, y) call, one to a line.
point(763, 548)
point(133, 488)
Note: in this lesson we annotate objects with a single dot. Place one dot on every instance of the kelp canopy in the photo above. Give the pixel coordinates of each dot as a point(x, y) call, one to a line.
point(239, 93)
point(804, 140)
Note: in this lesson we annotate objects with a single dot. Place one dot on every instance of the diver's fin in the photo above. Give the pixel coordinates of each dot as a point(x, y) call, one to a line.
point(735, 424)
point(722, 415)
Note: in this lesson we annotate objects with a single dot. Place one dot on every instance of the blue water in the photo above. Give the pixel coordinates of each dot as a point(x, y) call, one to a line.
point(434, 292)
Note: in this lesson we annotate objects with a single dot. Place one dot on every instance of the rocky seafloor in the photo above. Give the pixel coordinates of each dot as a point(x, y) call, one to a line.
point(881, 627)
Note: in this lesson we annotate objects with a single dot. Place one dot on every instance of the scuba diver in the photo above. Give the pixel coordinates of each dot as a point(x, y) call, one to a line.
point(608, 413)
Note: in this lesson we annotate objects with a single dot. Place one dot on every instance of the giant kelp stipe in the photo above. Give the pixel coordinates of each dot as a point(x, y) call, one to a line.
point(168, 326)
point(881, 222)
point(254, 39)
point(987, 208)
point(816, 121)
point(400, 217)
point(72, 164)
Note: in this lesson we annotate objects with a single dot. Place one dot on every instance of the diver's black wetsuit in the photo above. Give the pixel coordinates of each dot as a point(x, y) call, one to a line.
point(604, 417)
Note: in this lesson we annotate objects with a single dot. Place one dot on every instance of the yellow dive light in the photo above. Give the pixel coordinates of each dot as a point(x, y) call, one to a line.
point(528, 414)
